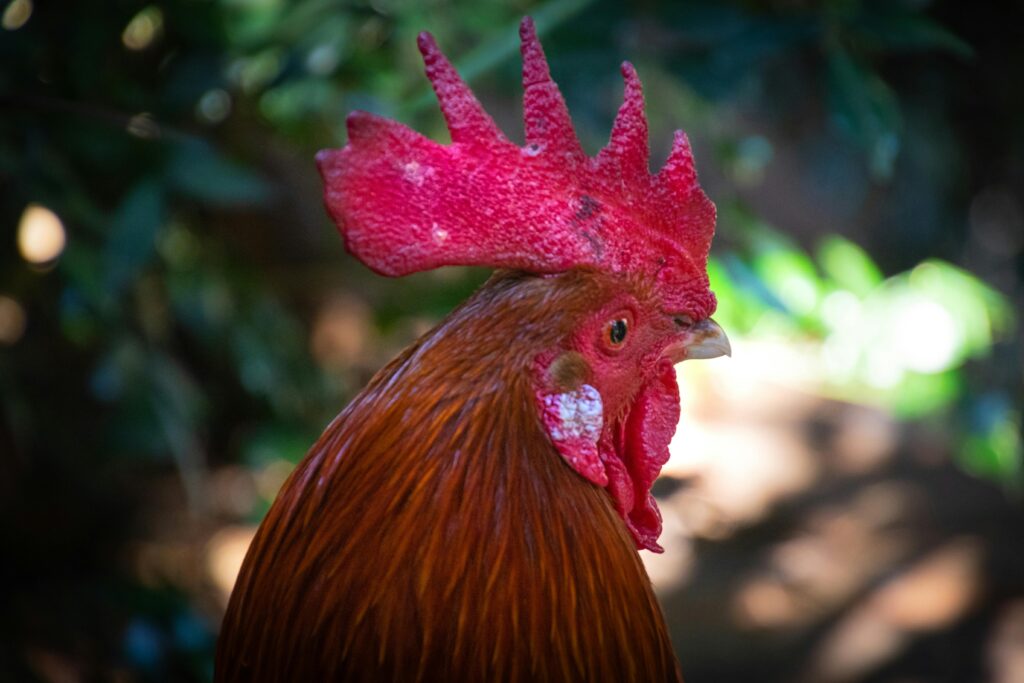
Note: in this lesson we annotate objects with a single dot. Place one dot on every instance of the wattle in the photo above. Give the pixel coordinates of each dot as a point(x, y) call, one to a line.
point(627, 456)
point(639, 451)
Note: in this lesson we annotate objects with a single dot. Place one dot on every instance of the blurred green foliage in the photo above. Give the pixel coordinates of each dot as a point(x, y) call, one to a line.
point(178, 329)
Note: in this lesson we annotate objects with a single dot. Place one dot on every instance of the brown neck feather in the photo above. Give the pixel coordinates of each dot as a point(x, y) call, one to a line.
point(433, 533)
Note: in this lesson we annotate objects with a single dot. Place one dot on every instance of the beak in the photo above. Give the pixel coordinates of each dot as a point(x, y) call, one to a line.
point(705, 339)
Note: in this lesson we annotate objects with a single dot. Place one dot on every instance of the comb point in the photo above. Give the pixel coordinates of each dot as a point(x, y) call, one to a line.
point(627, 153)
point(535, 63)
point(679, 169)
point(545, 116)
point(425, 42)
point(360, 124)
point(467, 121)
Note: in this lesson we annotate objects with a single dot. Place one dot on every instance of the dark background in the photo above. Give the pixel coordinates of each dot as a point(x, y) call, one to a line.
point(178, 319)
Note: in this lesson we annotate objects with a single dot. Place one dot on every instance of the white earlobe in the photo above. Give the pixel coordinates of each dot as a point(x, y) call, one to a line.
point(579, 413)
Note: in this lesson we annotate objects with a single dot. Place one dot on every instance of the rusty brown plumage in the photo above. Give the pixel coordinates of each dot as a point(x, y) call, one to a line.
point(434, 534)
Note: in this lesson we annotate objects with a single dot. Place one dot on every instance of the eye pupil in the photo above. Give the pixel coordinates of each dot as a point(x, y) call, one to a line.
point(617, 331)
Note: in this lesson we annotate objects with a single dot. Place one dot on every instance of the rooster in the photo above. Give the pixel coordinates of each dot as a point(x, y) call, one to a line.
point(475, 513)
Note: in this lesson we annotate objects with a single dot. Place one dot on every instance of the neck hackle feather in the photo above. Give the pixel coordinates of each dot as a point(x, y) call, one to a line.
point(432, 534)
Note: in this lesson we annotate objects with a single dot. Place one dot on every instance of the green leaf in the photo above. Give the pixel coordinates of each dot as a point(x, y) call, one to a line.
point(982, 313)
point(791, 276)
point(864, 108)
point(200, 171)
point(132, 240)
point(277, 440)
point(920, 394)
point(848, 265)
point(898, 31)
point(293, 103)
point(995, 449)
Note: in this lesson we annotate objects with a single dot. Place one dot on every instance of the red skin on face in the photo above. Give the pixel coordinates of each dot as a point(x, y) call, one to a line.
point(639, 399)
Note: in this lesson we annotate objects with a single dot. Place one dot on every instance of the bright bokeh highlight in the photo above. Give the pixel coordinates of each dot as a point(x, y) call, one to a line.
point(41, 236)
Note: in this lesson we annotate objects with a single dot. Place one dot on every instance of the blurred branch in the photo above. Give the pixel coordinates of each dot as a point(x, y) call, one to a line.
point(141, 125)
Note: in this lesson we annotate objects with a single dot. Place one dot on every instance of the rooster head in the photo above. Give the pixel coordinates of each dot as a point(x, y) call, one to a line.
point(607, 394)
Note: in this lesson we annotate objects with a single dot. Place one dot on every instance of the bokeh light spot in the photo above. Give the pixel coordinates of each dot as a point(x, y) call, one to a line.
point(143, 29)
point(16, 14)
point(224, 555)
point(840, 309)
point(214, 106)
point(926, 336)
point(41, 236)
point(322, 59)
point(12, 320)
point(143, 126)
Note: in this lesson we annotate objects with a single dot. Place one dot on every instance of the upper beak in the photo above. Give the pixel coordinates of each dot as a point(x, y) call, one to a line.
point(704, 339)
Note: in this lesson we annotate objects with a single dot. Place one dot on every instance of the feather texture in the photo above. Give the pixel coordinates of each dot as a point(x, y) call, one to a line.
point(434, 534)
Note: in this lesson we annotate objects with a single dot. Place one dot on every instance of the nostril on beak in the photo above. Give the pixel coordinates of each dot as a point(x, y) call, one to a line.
point(682, 321)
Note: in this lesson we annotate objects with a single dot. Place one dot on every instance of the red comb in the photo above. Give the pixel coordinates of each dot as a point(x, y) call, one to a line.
point(405, 203)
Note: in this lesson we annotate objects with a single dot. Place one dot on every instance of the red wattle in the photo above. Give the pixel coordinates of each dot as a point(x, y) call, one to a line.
point(640, 453)
point(625, 457)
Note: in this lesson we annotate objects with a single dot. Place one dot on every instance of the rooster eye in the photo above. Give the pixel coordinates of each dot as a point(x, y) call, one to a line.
point(617, 331)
